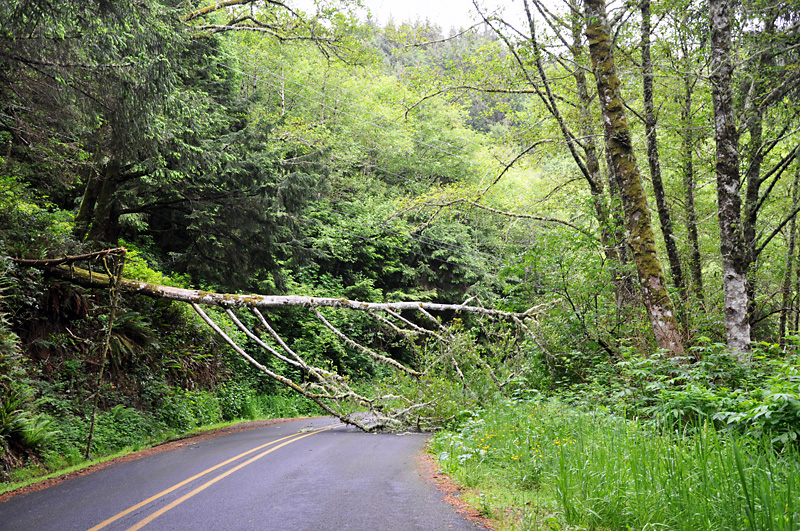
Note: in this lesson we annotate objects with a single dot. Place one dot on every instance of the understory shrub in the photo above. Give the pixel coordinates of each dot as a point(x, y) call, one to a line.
point(237, 401)
point(183, 410)
point(760, 398)
point(599, 471)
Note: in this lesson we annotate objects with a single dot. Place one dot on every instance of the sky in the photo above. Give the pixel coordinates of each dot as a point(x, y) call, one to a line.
point(445, 13)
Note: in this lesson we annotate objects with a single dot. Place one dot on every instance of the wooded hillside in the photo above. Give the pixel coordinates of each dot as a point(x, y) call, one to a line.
point(629, 170)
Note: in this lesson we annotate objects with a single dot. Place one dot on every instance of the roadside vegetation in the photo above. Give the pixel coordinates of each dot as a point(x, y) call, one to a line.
point(645, 240)
point(541, 464)
point(653, 446)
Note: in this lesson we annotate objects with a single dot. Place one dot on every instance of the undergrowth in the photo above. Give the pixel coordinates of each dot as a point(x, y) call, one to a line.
point(544, 465)
point(123, 429)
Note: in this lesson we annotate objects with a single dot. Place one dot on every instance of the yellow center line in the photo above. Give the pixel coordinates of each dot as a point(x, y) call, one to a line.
point(141, 504)
point(207, 484)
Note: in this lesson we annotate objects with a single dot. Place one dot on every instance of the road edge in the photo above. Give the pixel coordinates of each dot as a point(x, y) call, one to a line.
point(133, 456)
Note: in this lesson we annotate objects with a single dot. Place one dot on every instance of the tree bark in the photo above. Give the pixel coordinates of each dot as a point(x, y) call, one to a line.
point(595, 175)
point(105, 220)
point(637, 215)
point(687, 149)
point(726, 136)
point(670, 242)
point(83, 219)
point(611, 236)
point(617, 210)
point(786, 289)
point(92, 279)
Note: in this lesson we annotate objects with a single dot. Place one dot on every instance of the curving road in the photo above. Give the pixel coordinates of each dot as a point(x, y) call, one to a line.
point(310, 474)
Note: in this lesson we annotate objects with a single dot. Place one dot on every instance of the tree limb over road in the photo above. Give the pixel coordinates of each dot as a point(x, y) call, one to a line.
point(410, 404)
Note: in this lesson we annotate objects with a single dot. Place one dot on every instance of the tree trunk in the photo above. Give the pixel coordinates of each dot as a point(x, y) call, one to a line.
point(383, 409)
point(83, 220)
point(617, 210)
point(653, 159)
point(91, 279)
point(104, 225)
point(589, 163)
point(726, 135)
point(687, 149)
point(637, 215)
point(612, 240)
point(595, 176)
point(786, 288)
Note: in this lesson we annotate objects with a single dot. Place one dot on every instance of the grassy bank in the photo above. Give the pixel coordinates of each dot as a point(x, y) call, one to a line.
point(542, 465)
point(122, 430)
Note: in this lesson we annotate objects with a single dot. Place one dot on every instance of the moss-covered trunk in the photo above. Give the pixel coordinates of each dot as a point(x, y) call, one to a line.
point(611, 236)
point(637, 215)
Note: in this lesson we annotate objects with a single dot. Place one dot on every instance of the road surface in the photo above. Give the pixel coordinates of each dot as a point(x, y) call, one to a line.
point(309, 474)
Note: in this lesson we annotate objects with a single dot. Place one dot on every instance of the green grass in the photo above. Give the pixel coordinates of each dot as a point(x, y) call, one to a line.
point(547, 466)
point(69, 459)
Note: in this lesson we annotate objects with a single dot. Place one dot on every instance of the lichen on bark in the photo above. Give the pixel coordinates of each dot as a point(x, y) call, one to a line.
point(729, 202)
point(621, 154)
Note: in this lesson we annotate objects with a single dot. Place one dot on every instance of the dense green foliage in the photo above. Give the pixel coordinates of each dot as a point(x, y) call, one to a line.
point(334, 158)
point(543, 465)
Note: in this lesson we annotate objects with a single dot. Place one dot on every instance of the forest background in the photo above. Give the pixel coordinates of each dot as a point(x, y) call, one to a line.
point(549, 162)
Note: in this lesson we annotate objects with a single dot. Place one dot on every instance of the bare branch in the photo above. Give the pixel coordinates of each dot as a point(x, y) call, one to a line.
point(282, 379)
point(259, 342)
point(374, 355)
point(446, 39)
point(229, 300)
point(522, 216)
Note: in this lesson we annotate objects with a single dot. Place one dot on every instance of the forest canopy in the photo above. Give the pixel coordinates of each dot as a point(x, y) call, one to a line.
point(630, 170)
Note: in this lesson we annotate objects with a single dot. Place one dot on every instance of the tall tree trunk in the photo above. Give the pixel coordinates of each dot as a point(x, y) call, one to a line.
point(589, 163)
point(687, 149)
point(610, 235)
point(104, 225)
point(595, 176)
point(726, 135)
point(667, 231)
point(83, 220)
point(753, 177)
point(637, 215)
point(617, 210)
point(786, 288)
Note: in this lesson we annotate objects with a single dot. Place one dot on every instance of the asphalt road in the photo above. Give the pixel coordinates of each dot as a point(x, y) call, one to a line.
point(284, 477)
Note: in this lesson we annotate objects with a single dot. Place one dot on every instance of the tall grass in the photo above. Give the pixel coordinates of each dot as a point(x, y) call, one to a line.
point(604, 472)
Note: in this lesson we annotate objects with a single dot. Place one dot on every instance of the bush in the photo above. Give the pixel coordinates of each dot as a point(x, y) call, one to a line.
point(754, 399)
point(123, 427)
point(237, 401)
point(183, 410)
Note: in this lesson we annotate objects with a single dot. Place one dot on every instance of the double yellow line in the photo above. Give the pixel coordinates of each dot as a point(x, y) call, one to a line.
point(288, 440)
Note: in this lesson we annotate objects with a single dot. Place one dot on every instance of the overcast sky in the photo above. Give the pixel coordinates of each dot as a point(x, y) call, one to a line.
point(445, 13)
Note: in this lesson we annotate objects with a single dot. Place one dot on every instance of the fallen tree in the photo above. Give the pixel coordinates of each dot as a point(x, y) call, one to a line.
point(386, 410)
